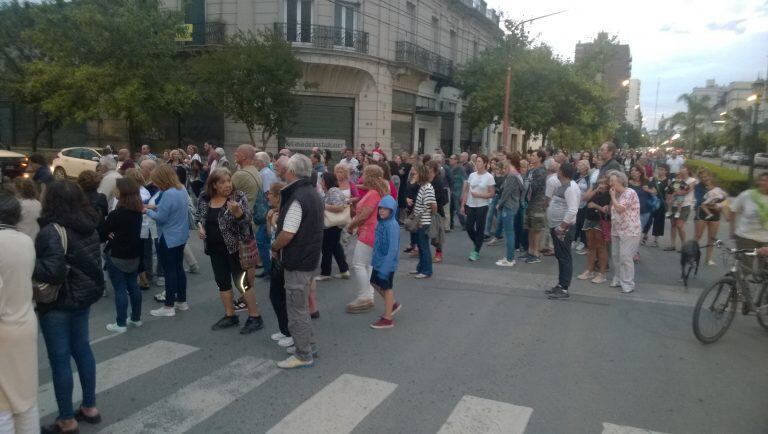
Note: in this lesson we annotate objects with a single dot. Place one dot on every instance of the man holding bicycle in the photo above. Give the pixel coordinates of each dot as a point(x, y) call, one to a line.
point(749, 219)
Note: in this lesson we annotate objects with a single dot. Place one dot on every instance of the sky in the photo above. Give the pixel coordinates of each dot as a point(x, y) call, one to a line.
point(677, 42)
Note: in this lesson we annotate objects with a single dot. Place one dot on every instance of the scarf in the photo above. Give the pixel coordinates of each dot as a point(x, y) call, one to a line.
point(762, 206)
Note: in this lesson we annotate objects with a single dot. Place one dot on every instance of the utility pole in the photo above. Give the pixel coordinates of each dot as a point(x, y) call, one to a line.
point(505, 125)
point(655, 109)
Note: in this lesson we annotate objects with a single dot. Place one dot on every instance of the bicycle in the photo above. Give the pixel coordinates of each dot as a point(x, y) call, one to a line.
point(718, 303)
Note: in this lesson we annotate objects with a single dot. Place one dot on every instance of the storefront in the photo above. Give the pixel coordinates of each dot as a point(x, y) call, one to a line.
point(330, 120)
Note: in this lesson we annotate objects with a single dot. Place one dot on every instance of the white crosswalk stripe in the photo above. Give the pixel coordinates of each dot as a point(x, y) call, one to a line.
point(338, 408)
point(118, 370)
point(478, 415)
point(609, 428)
point(198, 400)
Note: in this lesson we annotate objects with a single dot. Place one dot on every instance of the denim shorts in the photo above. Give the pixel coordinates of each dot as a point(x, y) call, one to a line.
point(380, 283)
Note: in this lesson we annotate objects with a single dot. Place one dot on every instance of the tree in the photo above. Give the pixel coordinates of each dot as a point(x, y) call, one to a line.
point(252, 80)
point(697, 111)
point(733, 130)
point(627, 135)
point(113, 58)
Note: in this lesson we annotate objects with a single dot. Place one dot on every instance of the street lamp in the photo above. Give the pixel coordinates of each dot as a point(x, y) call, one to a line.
point(752, 98)
point(723, 113)
point(625, 83)
point(637, 106)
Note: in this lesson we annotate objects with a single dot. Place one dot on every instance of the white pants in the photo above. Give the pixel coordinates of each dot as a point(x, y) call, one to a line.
point(623, 251)
point(361, 265)
point(27, 422)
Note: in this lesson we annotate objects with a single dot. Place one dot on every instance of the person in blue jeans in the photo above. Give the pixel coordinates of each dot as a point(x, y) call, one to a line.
point(425, 205)
point(68, 220)
point(122, 234)
point(508, 204)
point(170, 214)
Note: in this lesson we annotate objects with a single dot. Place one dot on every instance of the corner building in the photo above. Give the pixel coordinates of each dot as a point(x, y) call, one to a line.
point(374, 70)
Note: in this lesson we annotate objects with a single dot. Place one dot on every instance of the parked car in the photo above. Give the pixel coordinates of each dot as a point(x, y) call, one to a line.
point(726, 158)
point(761, 159)
point(740, 158)
point(70, 162)
point(708, 153)
point(12, 164)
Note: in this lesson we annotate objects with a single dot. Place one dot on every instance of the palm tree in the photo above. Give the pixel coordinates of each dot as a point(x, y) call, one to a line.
point(735, 120)
point(697, 110)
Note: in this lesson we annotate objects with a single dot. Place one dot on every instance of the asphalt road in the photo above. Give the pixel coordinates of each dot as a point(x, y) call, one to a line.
point(475, 349)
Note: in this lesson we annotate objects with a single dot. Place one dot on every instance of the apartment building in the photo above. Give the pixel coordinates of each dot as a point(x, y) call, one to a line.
point(375, 70)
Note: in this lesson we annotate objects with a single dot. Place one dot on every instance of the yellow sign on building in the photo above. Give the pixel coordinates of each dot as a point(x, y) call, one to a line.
point(184, 33)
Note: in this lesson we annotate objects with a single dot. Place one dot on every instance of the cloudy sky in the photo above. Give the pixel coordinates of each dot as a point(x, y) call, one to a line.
point(681, 43)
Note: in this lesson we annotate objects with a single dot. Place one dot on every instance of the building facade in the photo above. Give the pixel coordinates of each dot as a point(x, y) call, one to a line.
point(616, 69)
point(374, 70)
point(633, 113)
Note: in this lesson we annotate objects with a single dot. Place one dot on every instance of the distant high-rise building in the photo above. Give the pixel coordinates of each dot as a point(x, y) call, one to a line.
point(633, 113)
point(615, 69)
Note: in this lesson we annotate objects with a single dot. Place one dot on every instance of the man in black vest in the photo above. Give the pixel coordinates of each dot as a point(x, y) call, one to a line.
point(298, 246)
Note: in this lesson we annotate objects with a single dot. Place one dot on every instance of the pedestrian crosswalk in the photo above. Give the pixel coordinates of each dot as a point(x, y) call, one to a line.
point(338, 407)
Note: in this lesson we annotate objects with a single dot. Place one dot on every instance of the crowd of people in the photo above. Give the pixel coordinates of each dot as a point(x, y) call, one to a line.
point(280, 221)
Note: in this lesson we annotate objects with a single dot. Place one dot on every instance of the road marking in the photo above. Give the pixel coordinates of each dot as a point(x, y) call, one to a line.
point(338, 408)
point(199, 400)
point(478, 415)
point(609, 428)
point(118, 370)
point(105, 338)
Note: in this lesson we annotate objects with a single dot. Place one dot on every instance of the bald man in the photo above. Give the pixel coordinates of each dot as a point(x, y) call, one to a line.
point(247, 177)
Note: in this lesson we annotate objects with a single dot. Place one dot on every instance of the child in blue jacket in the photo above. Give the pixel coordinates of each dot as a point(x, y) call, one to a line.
point(385, 256)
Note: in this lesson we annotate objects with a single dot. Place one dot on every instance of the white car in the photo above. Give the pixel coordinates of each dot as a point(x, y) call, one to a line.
point(70, 162)
point(761, 159)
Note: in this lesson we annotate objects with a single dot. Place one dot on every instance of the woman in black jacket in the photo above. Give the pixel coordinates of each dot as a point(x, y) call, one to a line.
point(124, 247)
point(64, 322)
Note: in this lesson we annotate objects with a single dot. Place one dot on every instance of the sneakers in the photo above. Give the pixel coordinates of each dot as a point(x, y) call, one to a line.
point(226, 322)
point(132, 323)
point(294, 362)
point(474, 255)
point(383, 323)
point(582, 252)
point(285, 342)
point(586, 275)
point(396, 308)
point(504, 263)
point(252, 324)
point(533, 259)
point(627, 291)
point(599, 278)
point(655, 243)
point(493, 241)
point(322, 278)
point(160, 297)
point(344, 275)
point(711, 263)
point(277, 336)
point(163, 311)
point(421, 276)
point(413, 272)
point(438, 258)
point(114, 328)
point(181, 305)
point(580, 246)
point(360, 306)
point(558, 293)
point(239, 305)
point(615, 284)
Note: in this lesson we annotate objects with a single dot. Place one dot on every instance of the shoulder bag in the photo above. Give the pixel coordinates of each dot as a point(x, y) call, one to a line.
point(334, 219)
point(48, 292)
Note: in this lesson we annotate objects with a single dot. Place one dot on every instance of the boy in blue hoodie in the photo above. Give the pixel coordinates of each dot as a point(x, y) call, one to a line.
point(385, 255)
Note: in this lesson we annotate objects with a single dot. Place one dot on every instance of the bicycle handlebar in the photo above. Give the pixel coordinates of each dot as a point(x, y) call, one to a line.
point(746, 252)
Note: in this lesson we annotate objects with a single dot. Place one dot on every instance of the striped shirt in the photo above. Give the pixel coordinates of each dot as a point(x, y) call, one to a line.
point(424, 199)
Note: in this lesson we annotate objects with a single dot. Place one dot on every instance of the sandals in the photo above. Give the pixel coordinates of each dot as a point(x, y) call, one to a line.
point(82, 417)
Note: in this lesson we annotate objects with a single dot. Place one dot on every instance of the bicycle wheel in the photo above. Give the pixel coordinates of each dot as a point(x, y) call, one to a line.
point(714, 311)
point(762, 306)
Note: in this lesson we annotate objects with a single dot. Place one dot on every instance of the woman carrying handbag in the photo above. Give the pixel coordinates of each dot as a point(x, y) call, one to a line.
point(224, 222)
point(337, 215)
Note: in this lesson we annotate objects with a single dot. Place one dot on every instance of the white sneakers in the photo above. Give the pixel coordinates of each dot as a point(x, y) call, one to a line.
point(181, 305)
point(344, 275)
point(285, 342)
point(504, 263)
point(293, 362)
point(163, 311)
point(114, 328)
point(277, 336)
point(321, 278)
point(132, 323)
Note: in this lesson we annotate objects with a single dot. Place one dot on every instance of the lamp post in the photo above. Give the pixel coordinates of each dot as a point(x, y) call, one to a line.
point(505, 121)
point(753, 143)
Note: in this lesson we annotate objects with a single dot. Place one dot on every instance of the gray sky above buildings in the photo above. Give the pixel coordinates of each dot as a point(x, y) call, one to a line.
point(682, 43)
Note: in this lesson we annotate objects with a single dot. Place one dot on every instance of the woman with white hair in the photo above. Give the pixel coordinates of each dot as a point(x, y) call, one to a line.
point(625, 231)
point(222, 161)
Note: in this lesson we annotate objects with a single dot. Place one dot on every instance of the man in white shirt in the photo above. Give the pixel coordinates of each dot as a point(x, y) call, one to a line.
point(561, 215)
point(552, 183)
point(674, 162)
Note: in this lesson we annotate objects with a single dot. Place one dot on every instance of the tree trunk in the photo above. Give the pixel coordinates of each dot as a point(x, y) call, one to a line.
point(265, 136)
point(526, 137)
point(250, 134)
point(36, 134)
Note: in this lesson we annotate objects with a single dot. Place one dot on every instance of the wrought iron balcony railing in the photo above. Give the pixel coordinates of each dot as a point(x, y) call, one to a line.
point(204, 34)
point(324, 36)
point(421, 58)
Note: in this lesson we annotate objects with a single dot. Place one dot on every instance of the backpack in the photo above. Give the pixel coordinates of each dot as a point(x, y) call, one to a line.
point(260, 209)
point(48, 292)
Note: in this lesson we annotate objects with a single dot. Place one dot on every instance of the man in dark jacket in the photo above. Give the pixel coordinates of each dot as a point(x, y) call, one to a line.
point(608, 154)
point(298, 245)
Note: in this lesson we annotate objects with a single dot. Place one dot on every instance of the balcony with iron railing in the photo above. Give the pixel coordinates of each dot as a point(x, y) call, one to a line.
point(482, 8)
point(206, 34)
point(411, 54)
point(328, 37)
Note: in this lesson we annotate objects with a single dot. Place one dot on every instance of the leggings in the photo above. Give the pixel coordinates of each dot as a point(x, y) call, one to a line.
point(476, 225)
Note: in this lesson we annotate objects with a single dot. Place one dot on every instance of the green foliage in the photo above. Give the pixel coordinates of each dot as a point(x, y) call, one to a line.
point(729, 180)
point(697, 112)
point(627, 135)
point(252, 80)
point(105, 57)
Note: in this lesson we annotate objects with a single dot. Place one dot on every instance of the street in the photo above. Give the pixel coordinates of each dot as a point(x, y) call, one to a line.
point(476, 348)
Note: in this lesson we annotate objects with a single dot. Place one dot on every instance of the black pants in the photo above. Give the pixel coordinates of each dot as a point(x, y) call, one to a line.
point(226, 268)
point(332, 249)
point(476, 225)
point(580, 217)
point(656, 221)
point(563, 256)
point(277, 297)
